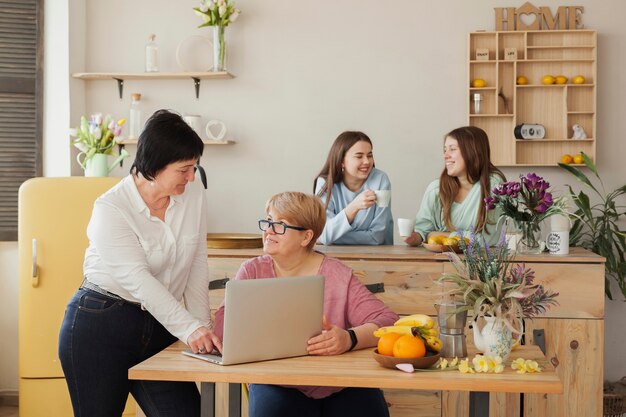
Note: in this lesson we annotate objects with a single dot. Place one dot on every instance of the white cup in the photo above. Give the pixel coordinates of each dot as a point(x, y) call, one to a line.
point(193, 120)
point(383, 198)
point(406, 226)
point(558, 242)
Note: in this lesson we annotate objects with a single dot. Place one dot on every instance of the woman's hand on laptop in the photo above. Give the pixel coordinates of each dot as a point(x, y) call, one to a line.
point(332, 341)
point(204, 340)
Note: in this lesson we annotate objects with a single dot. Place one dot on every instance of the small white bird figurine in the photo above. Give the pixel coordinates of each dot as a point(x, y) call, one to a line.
point(579, 132)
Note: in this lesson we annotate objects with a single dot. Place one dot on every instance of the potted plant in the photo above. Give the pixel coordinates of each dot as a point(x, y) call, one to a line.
point(95, 139)
point(497, 290)
point(596, 226)
point(527, 203)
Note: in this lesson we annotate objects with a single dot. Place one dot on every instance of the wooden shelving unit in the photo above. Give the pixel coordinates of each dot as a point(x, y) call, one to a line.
point(133, 141)
point(120, 77)
point(557, 107)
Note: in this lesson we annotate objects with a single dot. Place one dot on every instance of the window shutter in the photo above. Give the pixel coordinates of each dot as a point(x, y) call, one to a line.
point(21, 52)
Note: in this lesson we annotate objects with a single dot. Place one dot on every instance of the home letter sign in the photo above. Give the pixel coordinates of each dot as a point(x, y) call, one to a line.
point(529, 17)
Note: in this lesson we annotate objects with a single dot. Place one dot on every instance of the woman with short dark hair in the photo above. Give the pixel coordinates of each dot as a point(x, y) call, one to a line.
point(145, 280)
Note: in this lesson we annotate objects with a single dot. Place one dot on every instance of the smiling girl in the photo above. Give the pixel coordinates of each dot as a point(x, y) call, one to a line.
point(346, 184)
point(456, 200)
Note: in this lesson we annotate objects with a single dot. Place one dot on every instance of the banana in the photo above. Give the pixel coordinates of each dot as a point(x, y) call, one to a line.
point(434, 343)
point(416, 320)
point(428, 332)
point(396, 329)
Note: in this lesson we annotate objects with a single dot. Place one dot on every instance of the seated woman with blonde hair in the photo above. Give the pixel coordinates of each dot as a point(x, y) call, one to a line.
point(352, 313)
point(456, 201)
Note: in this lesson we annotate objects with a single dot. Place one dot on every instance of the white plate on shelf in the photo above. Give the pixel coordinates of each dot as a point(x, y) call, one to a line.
point(195, 54)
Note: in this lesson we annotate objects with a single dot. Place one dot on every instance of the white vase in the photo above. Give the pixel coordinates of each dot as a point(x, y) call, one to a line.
point(495, 338)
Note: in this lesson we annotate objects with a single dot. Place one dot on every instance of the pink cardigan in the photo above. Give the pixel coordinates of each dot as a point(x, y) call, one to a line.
point(347, 303)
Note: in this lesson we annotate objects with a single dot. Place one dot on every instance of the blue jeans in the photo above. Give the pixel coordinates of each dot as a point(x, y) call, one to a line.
point(276, 401)
point(100, 339)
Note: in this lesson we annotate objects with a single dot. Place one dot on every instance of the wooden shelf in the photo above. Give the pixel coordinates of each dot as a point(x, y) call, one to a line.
point(132, 141)
point(491, 115)
point(558, 107)
point(535, 141)
point(559, 60)
point(561, 47)
point(120, 77)
point(94, 76)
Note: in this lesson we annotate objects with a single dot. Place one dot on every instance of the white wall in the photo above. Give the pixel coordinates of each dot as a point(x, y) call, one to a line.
point(307, 70)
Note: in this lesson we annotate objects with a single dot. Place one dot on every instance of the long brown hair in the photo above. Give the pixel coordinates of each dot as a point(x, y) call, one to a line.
point(332, 171)
point(475, 150)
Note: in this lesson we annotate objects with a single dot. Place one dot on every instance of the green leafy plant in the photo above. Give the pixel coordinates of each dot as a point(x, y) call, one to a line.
point(595, 226)
point(491, 285)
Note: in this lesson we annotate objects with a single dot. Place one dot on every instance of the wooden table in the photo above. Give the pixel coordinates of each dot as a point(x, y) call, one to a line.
point(571, 334)
point(352, 369)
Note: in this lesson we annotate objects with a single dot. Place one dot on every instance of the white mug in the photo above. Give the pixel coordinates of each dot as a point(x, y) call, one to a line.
point(406, 227)
point(558, 242)
point(383, 197)
point(193, 120)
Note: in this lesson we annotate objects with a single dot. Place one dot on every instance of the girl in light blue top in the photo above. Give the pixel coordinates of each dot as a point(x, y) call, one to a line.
point(353, 215)
point(456, 201)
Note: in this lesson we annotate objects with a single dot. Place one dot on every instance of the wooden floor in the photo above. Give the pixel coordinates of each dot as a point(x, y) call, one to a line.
point(8, 411)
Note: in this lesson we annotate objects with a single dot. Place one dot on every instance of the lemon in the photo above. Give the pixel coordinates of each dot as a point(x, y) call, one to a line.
point(521, 80)
point(566, 159)
point(579, 79)
point(478, 83)
point(561, 79)
point(578, 159)
point(450, 241)
point(548, 79)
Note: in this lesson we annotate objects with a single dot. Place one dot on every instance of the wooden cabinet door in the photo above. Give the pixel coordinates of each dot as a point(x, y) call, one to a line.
point(576, 348)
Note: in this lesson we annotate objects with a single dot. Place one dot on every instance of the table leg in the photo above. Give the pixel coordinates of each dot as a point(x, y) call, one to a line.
point(207, 399)
point(479, 404)
point(234, 400)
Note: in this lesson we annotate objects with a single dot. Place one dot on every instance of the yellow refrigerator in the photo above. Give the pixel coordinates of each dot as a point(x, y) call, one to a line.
point(53, 217)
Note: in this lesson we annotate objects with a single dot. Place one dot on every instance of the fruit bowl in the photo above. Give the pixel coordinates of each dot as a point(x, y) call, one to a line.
point(418, 363)
point(442, 248)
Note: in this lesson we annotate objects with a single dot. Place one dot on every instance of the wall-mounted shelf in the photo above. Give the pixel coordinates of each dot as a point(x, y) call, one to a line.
point(120, 77)
point(133, 141)
point(557, 107)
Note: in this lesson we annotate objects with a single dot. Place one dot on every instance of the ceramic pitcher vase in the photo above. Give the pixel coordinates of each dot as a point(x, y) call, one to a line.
point(495, 338)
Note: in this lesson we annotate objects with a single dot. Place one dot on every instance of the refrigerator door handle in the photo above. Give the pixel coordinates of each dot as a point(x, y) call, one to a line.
point(35, 278)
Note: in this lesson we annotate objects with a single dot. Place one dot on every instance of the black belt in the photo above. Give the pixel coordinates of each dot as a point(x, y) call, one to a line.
point(93, 287)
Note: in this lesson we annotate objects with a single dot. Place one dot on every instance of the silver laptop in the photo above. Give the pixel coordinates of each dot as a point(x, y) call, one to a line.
point(269, 318)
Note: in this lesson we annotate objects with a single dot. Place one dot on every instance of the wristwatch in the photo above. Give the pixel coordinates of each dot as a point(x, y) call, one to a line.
point(353, 339)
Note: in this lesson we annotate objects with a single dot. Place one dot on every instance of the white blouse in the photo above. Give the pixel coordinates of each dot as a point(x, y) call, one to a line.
point(160, 264)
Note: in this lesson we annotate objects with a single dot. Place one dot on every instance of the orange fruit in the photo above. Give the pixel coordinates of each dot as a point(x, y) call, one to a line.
point(548, 79)
point(478, 83)
point(408, 346)
point(386, 343)
point(579, 79)
point(567, 159)
point(521, 80)
point(578, 159)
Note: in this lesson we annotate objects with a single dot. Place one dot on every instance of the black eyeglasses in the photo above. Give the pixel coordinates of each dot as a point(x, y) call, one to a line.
point(278, 227)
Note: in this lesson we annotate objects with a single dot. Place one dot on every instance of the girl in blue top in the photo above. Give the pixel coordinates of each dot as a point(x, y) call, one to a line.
point(456, 201)
point(352, 215)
